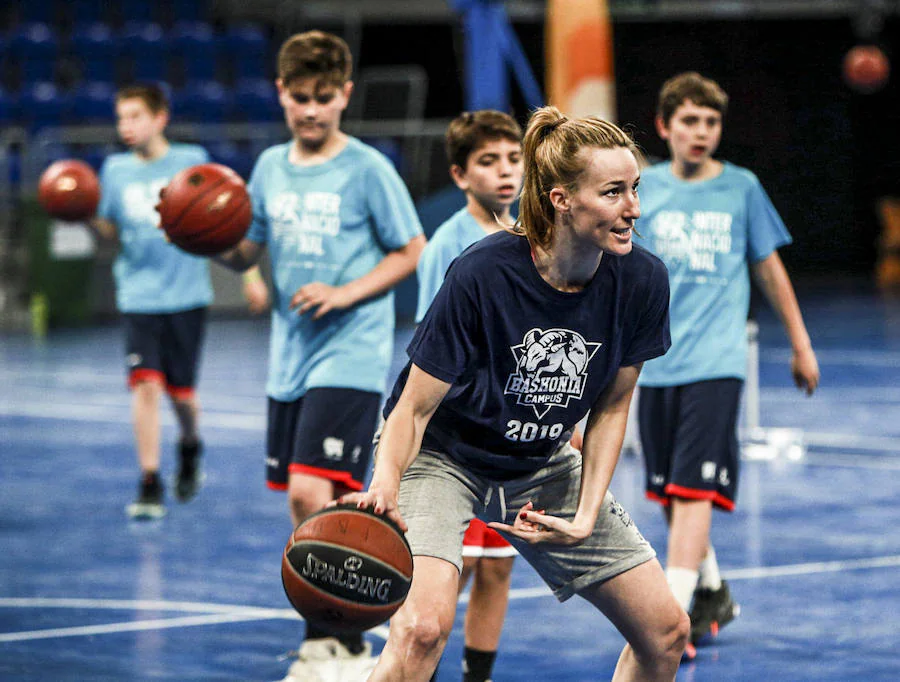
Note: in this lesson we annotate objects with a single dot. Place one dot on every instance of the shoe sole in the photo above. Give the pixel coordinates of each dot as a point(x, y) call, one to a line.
point(145, 512)
point(201, 478)
point(716, 625)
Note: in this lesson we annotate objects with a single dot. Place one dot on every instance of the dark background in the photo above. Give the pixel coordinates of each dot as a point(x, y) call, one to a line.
point(823, 152)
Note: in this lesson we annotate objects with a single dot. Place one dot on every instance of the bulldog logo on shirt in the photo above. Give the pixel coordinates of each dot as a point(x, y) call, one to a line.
point(551, 368)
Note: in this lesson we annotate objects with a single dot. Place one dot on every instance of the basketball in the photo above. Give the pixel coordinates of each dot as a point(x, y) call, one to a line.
point(347, 569)
point(866, 68)
point(205, 209)
point(69, 190)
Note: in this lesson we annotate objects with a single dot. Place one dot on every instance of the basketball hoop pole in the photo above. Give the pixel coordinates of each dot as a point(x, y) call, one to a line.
point(751, 384)
point(757, 442)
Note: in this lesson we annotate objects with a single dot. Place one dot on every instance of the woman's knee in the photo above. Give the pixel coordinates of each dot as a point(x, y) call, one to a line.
point(669, 641)
point(422, 631)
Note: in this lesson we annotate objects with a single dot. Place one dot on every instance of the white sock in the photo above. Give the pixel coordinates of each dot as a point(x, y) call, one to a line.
point(683, 582)
point(709, 571)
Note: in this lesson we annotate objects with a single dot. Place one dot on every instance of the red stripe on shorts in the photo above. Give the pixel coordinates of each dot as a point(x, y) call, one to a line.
point(180, 392)
point(138, 376)
point(692, 494)
point(650, 495)
point(345, 478)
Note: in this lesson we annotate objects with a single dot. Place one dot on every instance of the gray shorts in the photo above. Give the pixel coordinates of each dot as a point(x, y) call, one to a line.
point(438, 498)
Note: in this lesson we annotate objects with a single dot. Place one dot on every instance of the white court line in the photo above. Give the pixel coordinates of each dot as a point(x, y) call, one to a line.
point(878, 359)
point(812, 567)
point(891, 463)
point(136, 605)
point(136, 625)
point(236, 614)
point(844, 394)
point(853, 441)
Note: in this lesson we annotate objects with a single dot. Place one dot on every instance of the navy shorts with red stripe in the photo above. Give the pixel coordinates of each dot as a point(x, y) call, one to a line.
point(166, 348)
point(327, 432)
point(689, 439)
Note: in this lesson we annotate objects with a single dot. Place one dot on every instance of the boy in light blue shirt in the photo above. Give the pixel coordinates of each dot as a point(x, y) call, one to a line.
point(341, 231)
point(162, 292)
point(708, 220)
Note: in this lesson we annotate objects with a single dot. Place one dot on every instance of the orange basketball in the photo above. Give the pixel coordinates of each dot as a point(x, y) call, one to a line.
point(69, 190)
point(347, 569)
point(205, 209)
point(866, 68)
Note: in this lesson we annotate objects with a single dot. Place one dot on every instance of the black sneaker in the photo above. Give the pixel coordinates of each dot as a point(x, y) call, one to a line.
point(188, 481)
point(149, 502)
point(712, 610)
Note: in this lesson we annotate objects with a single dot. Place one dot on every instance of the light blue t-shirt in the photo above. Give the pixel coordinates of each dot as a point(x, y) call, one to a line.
point(152, 275)
point(707, 233)
point(454, 236)
point(331, 223)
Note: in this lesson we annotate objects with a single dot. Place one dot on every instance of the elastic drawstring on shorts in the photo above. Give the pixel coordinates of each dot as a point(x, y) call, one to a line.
point(501, 497)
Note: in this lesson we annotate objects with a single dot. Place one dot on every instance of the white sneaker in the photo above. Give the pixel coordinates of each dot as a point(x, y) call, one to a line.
point(316, 662)
point(327, 660)
point(355, 667)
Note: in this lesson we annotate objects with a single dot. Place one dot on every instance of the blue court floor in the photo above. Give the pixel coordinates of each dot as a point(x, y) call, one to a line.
point(812, 552)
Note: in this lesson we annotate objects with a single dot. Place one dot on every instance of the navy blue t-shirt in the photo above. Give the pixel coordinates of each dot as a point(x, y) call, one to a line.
point(526, 361)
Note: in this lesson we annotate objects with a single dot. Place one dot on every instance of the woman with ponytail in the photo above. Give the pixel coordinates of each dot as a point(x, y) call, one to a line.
point(533, 328)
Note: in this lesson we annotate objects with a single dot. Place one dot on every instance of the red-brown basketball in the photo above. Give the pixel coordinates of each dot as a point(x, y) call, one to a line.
point(205, 209)
point(347, 569)
point(866, 68)
point(69, 190)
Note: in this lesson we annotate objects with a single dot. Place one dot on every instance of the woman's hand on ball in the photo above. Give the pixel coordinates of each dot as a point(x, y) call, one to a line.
point(381, 500)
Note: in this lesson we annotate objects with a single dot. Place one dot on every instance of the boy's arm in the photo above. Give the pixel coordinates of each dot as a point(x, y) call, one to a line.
point(256, 292)
point(242, 257)
point(773, 279)
point(396, 266)
point(103, 228)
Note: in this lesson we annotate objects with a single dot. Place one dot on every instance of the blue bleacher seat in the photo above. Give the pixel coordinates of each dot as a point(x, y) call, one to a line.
point(195, 42)
point(56, 151)
point(246, 47)
point(232, 155)
point(203, 101)
point(35, 47)
point(95, 155)
point(93, 102)
point(41, 104)
point(390, 147)
point(147, 45)
point(95, 47)
point(255, 99)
